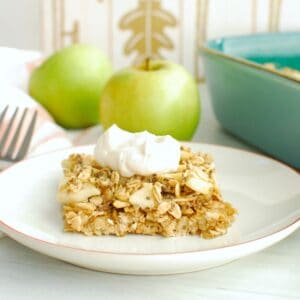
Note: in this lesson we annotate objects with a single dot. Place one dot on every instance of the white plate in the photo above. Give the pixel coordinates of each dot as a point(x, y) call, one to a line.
point(265, 192)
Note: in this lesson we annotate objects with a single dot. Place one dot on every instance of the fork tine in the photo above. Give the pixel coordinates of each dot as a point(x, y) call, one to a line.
point(8, 129)
point(27, 139)
point(3, 114)
point(11, 148)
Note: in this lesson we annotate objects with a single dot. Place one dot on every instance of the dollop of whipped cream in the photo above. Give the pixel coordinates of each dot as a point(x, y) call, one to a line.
point(140, 153)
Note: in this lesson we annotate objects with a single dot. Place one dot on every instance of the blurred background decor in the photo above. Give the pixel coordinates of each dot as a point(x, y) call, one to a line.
point(127, 30)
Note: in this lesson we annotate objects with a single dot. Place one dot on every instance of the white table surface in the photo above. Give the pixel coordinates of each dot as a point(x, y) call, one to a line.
point(271, 274)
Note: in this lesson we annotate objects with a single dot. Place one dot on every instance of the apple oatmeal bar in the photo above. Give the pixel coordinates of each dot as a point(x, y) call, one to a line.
point(99, 201)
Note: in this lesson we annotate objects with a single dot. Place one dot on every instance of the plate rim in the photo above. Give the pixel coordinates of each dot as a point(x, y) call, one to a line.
point(225, 247)
point(147, 254)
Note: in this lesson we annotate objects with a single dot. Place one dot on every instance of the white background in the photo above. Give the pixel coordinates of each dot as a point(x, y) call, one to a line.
point(20, 23)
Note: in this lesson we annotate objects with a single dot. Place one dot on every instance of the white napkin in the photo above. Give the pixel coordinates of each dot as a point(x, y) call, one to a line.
point(16, 64)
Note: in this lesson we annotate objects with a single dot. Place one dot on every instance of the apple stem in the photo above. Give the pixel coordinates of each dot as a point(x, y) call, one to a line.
point(147, 63)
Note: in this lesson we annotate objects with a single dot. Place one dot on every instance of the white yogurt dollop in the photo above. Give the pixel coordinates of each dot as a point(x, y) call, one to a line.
point(140, 153)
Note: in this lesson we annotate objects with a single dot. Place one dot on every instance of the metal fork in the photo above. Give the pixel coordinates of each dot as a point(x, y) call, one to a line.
point(14, 152)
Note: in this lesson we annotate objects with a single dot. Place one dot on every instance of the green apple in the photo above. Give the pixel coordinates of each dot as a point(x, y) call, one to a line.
point(158, 96)
point(69, 83)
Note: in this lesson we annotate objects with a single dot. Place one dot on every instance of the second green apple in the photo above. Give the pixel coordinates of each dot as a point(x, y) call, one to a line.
point(158, 96)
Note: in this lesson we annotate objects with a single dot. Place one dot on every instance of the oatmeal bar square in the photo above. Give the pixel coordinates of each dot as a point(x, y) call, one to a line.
point(99, 201)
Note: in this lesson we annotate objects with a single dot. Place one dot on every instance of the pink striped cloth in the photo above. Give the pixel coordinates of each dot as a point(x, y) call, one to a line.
point(15, 68)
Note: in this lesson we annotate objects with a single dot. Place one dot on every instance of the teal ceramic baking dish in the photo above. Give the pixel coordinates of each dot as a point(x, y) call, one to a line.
point(259, 105)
